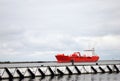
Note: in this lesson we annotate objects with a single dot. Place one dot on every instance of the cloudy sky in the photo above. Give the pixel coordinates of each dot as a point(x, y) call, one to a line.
point(35, 30)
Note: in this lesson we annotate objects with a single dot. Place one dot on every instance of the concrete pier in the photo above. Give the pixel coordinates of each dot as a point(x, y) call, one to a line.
point(32, 69)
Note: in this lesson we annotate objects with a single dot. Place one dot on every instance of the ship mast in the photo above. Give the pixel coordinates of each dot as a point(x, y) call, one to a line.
point(93, 51)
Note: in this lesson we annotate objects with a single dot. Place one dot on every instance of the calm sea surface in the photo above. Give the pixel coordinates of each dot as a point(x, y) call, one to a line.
point(82, 77)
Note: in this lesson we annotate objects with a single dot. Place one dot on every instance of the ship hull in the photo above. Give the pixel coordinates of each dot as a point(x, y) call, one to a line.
point(64, 58)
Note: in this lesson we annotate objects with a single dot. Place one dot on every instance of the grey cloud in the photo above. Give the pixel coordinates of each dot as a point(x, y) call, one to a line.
point(82, 17)
point(28, 26)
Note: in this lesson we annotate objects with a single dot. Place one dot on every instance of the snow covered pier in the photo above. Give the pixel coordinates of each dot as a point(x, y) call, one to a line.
point(21, 70)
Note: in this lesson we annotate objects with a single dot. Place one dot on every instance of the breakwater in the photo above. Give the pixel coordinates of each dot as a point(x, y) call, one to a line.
point(33, 69)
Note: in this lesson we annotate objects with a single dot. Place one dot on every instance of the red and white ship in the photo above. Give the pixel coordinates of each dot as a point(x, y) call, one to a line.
point(77, 57)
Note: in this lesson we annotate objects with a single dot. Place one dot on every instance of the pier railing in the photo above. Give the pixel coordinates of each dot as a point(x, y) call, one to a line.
point(22, 70)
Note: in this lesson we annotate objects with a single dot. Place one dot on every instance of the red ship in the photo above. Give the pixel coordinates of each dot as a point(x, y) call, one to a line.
point(77, 57)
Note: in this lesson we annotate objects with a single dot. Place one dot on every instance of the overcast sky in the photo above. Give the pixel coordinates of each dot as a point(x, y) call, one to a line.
point(35, 30)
